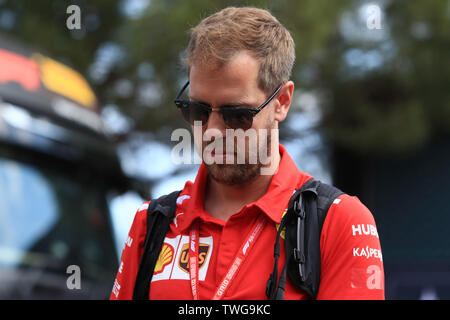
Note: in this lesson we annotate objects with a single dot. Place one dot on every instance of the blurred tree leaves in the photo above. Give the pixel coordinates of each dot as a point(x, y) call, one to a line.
point(403, 102)
point(381, 91)
point(160, 35)
point(42, 24)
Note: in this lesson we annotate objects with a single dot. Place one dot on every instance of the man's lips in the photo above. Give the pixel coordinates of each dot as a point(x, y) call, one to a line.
point(222, 156)
point(214, 153)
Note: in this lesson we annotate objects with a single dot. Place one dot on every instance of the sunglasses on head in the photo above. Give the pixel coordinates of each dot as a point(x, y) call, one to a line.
point(235, 117)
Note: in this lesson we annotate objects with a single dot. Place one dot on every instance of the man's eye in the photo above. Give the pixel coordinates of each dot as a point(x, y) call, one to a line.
point(236, 107)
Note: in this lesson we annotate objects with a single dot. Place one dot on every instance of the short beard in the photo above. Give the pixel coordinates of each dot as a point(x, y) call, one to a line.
point(233, 174)
point(236, 173)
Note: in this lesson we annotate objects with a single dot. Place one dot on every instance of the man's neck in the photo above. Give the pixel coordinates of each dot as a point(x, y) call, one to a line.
point(222, 201)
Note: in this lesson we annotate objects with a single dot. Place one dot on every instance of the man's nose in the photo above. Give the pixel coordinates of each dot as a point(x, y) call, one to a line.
point(215, 121)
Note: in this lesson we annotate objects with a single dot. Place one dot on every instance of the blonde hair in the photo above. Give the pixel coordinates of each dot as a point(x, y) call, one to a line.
point(217, 38)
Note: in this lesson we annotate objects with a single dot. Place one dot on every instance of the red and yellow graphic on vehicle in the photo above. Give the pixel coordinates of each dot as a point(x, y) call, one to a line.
point(39, 72)
point(17, 68)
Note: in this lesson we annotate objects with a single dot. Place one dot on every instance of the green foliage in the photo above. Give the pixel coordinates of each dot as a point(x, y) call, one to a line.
point(391, 107)
point(42, 25)
point(400, 105)
point(160, 35)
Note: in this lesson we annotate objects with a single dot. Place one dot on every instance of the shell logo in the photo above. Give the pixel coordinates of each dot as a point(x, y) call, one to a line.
point(165, 258)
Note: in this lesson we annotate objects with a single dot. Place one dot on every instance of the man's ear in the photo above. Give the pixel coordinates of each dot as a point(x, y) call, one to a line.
point(284, 99)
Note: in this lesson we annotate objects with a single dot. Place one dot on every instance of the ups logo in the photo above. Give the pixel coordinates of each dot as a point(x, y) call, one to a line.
point(183, 263)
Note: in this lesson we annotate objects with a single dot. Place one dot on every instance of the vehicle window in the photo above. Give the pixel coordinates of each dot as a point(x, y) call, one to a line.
point(49, 220)
point(27, 210)
point(123, 208)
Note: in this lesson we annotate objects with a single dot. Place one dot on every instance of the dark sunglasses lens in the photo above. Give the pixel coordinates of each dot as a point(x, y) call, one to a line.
point(237, 119)
point(195, 112)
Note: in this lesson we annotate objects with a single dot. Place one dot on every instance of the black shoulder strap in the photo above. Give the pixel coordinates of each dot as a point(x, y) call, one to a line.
point(304, 219)
point(159, 216)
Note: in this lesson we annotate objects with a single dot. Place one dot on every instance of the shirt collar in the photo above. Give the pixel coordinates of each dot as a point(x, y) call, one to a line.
point(283, 184)
point(273, 203)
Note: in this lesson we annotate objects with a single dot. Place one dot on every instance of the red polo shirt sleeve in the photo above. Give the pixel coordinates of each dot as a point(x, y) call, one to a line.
point(352, 262)
point(131, 255)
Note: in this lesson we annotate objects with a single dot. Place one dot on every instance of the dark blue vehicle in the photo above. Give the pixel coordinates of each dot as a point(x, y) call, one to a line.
point(58, 170)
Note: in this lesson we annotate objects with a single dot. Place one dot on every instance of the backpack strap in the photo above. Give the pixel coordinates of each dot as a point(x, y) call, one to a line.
point(304, 219)
point(159, 216)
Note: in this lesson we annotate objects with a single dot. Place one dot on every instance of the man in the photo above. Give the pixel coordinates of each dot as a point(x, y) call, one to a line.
point(243, 57)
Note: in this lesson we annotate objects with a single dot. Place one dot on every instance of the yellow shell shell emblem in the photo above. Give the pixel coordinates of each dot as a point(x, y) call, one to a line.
point(165, 257)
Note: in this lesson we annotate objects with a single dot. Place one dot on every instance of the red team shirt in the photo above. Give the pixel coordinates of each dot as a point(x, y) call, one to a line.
point(351, 259)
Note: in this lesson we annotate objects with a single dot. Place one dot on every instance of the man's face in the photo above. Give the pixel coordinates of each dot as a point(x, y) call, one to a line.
point(233, 84)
